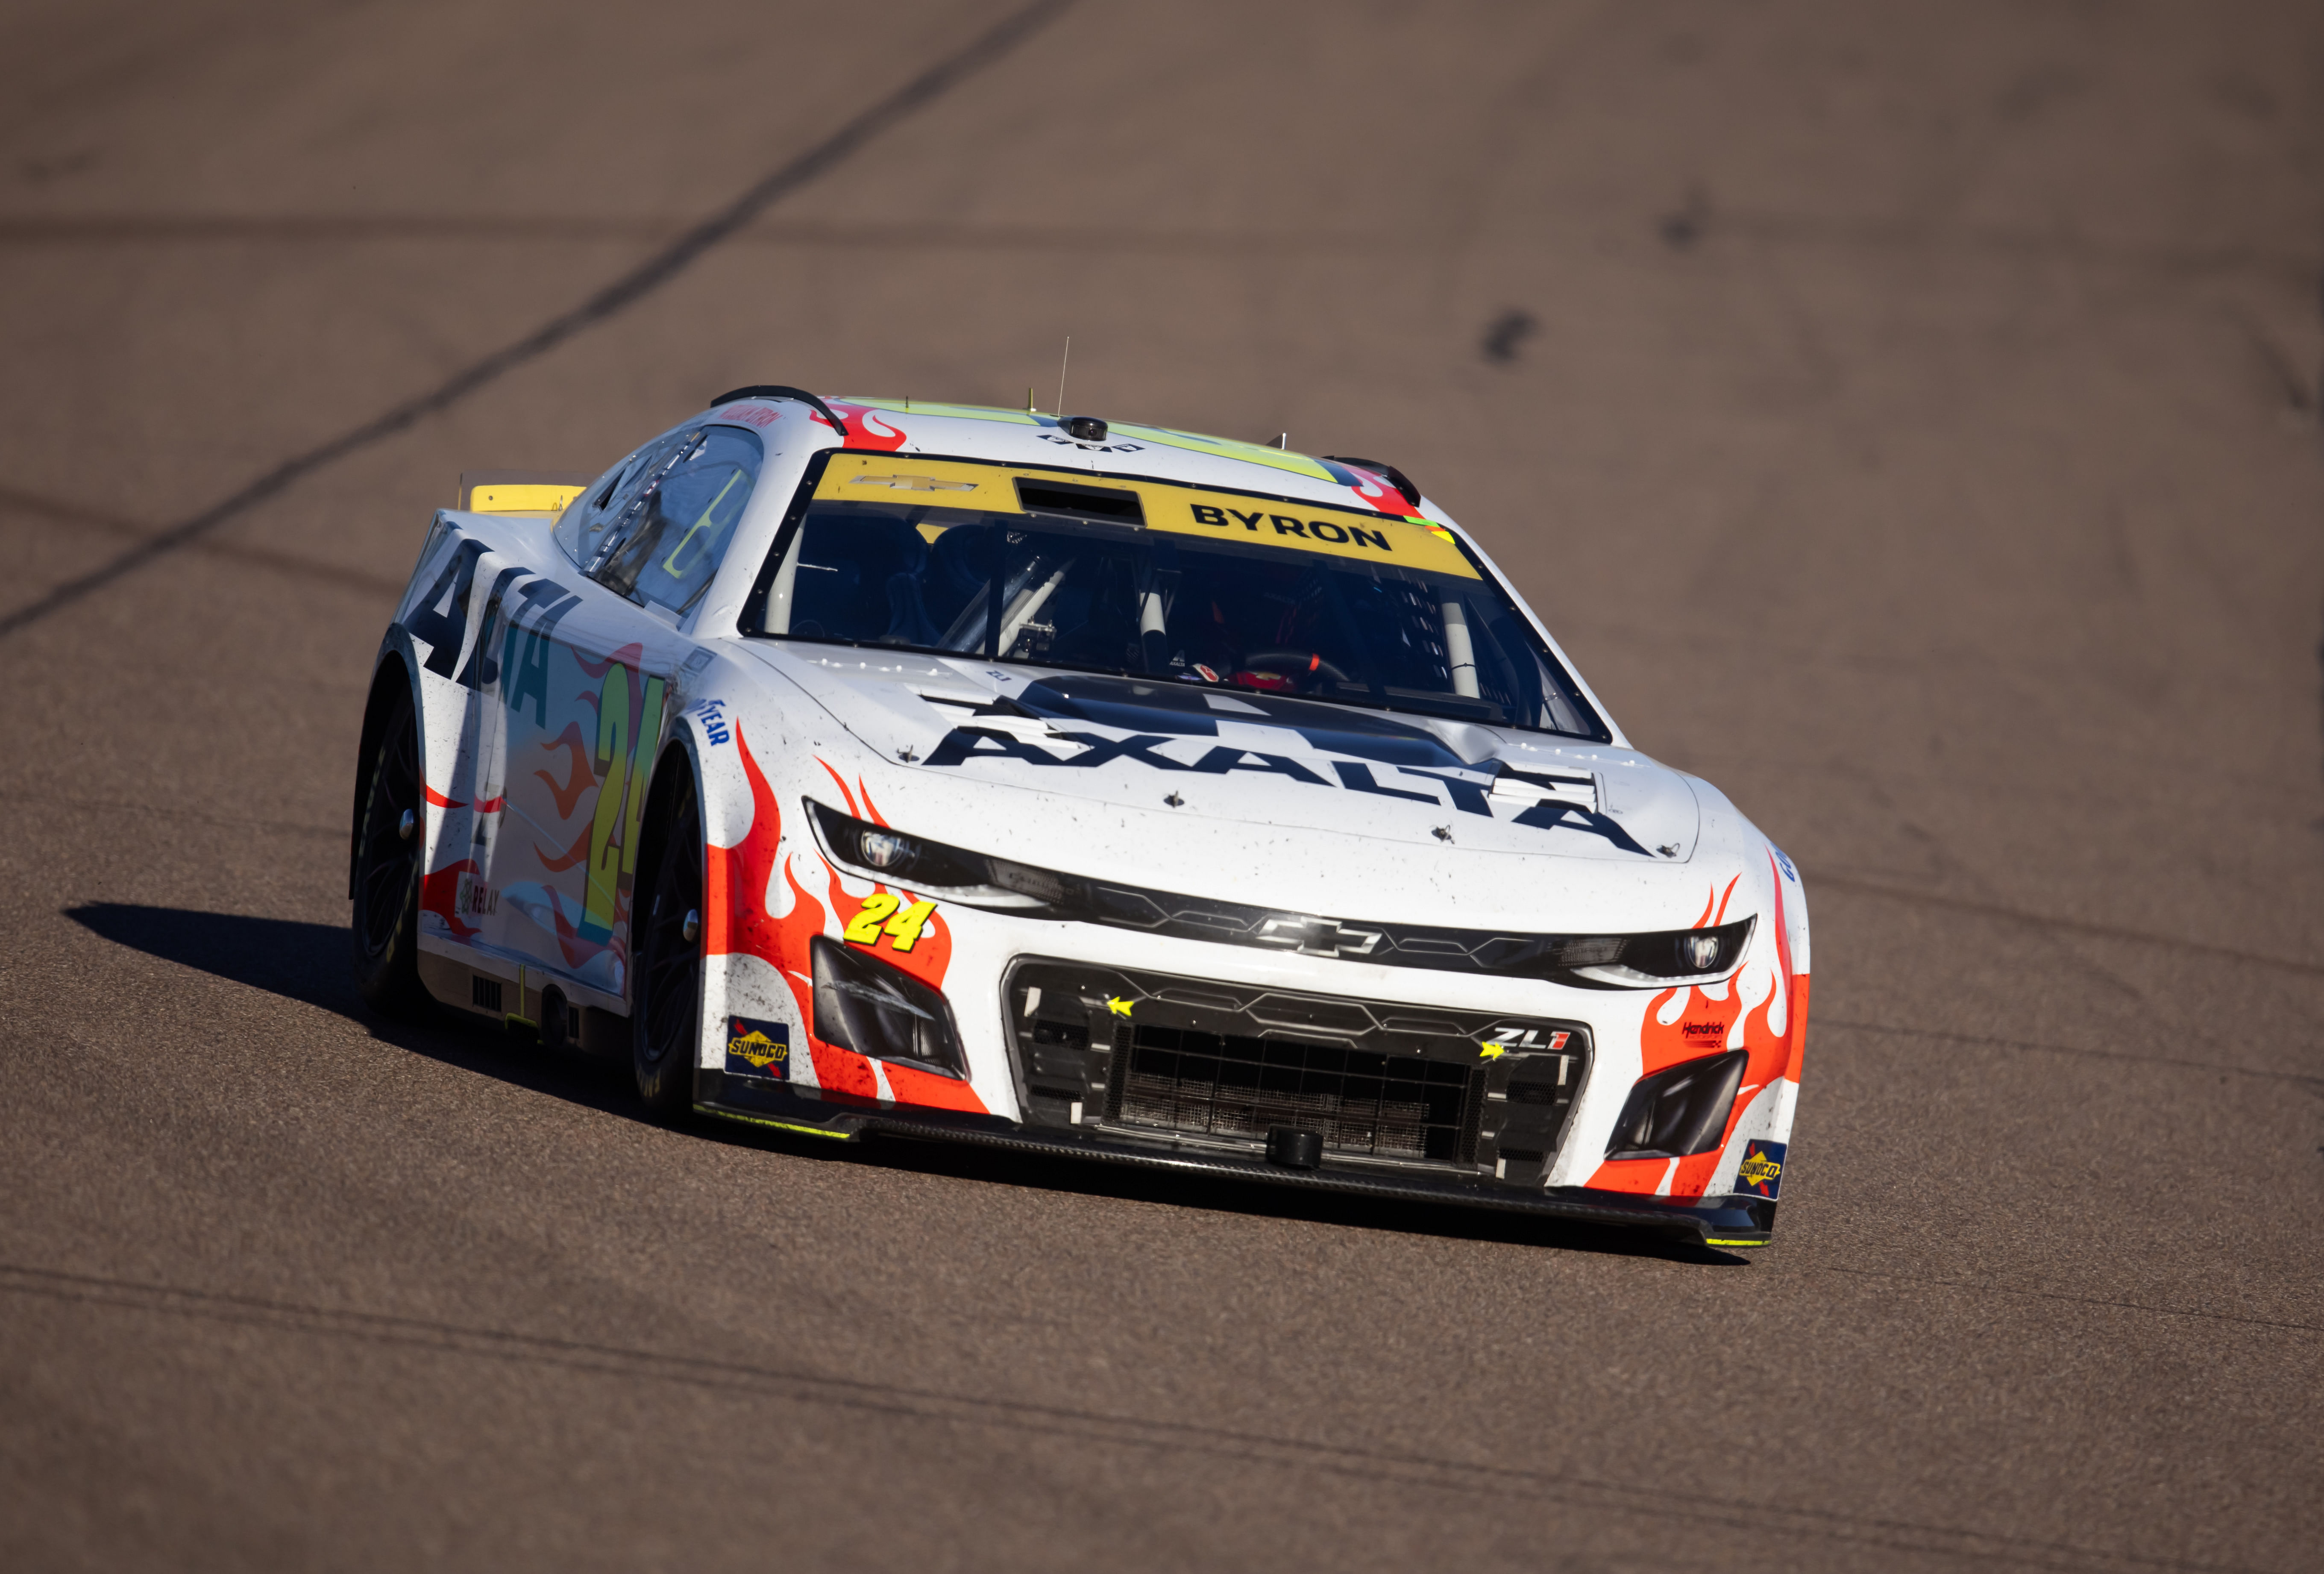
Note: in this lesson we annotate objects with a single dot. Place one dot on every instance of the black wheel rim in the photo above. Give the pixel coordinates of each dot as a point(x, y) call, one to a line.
point(671, 978)
point(384, 874)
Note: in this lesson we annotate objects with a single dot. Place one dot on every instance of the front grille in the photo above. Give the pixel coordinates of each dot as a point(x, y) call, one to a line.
point(1229, 1085)
point(1192, 1062)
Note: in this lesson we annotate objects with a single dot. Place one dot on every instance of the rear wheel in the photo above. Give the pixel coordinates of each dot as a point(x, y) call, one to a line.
point(666, 1016)
point(386, 931)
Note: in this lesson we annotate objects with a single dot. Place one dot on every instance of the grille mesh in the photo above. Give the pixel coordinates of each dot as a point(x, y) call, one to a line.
point(1391, 1106)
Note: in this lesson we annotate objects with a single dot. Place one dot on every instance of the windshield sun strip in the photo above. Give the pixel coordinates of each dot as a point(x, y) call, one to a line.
point(815, 485)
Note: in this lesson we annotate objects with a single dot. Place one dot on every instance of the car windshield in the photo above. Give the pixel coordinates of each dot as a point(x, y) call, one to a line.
point(1158, 581)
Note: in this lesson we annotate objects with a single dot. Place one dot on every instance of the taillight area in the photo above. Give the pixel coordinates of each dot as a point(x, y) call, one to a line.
point(1678, 1111)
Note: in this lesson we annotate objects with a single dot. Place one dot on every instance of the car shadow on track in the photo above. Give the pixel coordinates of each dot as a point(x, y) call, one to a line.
point(308, 962)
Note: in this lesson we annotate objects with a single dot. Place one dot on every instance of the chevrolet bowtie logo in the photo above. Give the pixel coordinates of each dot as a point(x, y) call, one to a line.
point(915, 484)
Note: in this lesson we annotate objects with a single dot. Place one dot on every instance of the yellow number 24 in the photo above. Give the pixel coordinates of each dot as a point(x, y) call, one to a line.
point(878, 916)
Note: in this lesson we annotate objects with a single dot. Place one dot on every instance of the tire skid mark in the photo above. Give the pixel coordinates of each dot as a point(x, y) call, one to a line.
point(2303, 1078)
point(609, 301)
point(1367, 1465)
point(1824, 880)
point(1990, 1287)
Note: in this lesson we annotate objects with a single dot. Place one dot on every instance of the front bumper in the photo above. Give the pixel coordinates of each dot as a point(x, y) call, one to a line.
point(1712, 1221)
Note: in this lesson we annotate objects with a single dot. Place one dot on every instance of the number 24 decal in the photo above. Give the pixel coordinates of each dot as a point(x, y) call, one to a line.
point(879, 916)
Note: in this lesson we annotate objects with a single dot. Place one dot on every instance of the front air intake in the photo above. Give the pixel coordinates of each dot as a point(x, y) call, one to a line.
point(1194, 1063)
point(1678, 1111)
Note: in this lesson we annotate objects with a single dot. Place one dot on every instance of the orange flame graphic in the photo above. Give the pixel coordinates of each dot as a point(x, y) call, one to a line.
point(582, 777)
point(1715, 1026)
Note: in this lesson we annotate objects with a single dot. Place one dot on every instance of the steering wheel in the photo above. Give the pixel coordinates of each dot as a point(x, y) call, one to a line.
point(1293, 664)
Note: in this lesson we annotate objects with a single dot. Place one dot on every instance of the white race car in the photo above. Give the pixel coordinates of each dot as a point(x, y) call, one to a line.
point(857, 766)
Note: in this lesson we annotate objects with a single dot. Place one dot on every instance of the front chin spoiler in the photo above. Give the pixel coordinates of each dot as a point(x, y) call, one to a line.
point(1710, 1221)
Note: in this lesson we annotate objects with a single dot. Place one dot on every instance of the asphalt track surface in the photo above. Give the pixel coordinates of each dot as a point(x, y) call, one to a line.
point(1907, 416)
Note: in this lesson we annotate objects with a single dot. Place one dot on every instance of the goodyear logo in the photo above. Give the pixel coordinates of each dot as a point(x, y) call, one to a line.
point(1120, 1008)
point(758, 1049)
point(1761, 1172)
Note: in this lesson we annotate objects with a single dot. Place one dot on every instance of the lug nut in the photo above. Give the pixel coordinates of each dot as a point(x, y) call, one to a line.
point(691, 929)
point(407, 825)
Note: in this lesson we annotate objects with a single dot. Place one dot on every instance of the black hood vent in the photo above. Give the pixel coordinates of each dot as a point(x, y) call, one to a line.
point(1108, 503)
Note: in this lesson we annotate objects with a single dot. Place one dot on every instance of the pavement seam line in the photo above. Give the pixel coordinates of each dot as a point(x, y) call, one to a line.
point(1086, 1426)
point(12, 499)
point(927, 87)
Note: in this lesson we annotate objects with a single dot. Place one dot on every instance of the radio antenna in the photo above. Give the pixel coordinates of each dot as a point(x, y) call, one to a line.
point(1066, 361)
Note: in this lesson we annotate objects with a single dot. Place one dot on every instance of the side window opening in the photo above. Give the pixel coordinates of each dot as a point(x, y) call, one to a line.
point(667, 527)
point(582, 526)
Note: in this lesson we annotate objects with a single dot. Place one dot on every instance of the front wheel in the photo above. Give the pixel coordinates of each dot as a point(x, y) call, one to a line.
point(388, 844)
point(666, 1014)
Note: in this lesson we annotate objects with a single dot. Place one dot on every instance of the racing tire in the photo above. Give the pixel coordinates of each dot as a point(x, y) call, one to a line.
point(390, 838)
point(666, 1013)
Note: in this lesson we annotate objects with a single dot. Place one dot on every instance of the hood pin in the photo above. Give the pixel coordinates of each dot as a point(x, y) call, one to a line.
point(1174, 800)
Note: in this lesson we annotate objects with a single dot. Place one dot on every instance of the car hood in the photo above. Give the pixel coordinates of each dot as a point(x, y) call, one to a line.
point(1253, 759)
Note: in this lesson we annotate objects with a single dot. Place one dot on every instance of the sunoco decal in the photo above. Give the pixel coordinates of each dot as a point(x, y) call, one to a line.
point(758, 1049)
point(1761, 1172)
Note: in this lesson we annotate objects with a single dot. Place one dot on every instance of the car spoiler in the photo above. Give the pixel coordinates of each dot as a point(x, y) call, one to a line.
point(542, 494)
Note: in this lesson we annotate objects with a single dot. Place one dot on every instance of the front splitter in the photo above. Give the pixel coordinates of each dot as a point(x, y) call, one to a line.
point(1718, 1221)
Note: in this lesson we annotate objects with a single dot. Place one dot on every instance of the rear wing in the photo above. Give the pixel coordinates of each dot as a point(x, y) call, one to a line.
point(537, 493)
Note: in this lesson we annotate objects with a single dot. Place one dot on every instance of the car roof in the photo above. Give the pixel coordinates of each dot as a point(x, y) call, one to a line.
point(1025, 437)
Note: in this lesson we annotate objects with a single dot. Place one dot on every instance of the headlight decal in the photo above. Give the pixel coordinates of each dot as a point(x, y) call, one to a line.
point(894, 917)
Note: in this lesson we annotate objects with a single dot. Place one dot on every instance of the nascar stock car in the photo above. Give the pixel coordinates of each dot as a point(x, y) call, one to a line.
point(855, 767)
